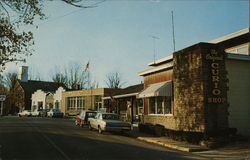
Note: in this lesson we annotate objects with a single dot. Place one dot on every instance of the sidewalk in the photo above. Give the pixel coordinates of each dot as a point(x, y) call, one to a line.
point(232, 151)
point(164, 141)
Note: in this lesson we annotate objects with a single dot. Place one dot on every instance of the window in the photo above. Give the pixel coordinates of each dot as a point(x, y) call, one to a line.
point(140, 106)
point(75, 103)
point(242, 49)
point(57, 104)
point(160, 105)
point(98, 102)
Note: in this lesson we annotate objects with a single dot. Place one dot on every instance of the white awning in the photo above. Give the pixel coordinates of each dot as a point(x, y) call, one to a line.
point(157, 89)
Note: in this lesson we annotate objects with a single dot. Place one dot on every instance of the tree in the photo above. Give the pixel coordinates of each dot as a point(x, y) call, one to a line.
point(72, 77)
point(16, 44)
point(114, 80)
point(3, 89)
point(10, 79)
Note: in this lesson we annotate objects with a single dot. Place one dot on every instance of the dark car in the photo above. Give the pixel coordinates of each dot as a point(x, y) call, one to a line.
point(82, 118)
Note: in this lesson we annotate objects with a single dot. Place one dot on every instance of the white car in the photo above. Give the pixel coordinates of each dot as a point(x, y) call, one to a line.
point(35, 113)
point(108, 122)
point(24, 113)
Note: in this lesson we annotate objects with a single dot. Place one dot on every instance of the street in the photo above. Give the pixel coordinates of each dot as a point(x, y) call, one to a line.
point(47, 138)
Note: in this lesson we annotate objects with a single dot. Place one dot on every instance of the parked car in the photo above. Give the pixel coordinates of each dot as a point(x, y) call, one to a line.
point(43, 112)
point(82, 118)
point(24, 113)
point(108, 122)
point(34, 113)
point(55, 113)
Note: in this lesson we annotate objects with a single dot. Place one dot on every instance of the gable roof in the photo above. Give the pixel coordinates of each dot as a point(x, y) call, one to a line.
point(32, 85)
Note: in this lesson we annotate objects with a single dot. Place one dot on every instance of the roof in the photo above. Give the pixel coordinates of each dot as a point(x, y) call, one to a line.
point(127, 92)
point(161, 61)
point(32, 85)
point(231, 36)
point(131, 89)
point(161, 67)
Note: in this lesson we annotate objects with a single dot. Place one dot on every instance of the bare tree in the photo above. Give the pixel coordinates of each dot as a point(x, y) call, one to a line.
point(114, 80)
point(73, 76)
point(16, 44)
point(10, 79)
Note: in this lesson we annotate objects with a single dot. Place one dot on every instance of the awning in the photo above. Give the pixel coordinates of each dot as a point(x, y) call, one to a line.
point(157, 89)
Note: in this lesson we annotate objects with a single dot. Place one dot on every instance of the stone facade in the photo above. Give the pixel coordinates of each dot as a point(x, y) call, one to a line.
point(199, 91)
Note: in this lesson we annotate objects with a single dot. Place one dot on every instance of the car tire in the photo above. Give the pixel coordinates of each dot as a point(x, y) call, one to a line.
point(19, 115)
point(90, 127)
point(99, 130)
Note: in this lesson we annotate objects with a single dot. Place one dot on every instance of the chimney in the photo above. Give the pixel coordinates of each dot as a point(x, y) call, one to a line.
point(23, 73)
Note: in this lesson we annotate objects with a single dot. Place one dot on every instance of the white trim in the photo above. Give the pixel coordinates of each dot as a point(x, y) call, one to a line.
point(230, 36)
point(168, 58)
point(126, 95)
point(121, 96)
point(155, 69)
point(238, 57)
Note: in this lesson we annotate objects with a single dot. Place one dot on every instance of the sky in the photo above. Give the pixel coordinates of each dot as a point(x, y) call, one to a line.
point(116, 35)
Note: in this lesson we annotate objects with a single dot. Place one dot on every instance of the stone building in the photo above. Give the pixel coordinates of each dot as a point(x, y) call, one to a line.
point(198, 89)
point(75, 101)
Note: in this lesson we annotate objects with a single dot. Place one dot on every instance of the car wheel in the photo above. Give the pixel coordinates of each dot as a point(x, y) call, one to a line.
point(99, 130)
point(19, 115)
point(90, 128)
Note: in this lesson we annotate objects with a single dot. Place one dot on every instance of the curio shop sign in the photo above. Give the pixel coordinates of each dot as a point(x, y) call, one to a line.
point(215, 66)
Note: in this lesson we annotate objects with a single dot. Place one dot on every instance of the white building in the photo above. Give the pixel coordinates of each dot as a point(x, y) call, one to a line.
point(47, 99)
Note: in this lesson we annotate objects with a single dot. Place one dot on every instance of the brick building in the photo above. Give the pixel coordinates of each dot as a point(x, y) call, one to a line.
point(75, 101)
point(198, 89)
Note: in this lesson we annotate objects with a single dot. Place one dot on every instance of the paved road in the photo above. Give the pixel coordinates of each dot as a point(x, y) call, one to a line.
point(45, 138)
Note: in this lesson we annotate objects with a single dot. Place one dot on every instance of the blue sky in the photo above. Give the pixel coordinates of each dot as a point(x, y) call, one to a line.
point(115, 36)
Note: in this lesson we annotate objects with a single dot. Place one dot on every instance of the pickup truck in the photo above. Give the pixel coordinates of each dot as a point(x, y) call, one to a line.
point(108, 122)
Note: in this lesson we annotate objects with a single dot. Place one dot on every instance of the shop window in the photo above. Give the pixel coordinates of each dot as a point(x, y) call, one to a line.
point(75, 103)
point(160, 105)
point(140, 106)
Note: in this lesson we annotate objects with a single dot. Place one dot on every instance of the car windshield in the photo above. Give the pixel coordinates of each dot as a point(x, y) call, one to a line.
point(91, 114)
point(110, 117)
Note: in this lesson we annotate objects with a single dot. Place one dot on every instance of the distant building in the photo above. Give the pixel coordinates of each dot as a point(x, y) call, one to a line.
point(125, 103)
point(204, 88)
point(19, 97)
point(47, 99)
point(75, 101)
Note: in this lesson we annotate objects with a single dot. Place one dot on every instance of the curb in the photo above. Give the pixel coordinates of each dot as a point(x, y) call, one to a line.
point(172, 146)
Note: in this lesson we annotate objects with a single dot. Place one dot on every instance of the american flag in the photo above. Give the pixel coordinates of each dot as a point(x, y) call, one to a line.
point(86, 67)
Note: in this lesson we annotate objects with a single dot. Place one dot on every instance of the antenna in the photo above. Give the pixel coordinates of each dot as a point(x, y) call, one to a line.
point(154, 38)
point(173, 29)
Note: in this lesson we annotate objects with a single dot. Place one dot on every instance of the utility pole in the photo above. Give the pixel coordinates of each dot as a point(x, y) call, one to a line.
point(172, 13)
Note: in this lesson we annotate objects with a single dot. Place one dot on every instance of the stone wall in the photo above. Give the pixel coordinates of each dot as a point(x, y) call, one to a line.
point(200, 91)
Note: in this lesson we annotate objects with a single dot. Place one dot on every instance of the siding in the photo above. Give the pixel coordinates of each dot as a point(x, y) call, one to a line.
point(239, 95)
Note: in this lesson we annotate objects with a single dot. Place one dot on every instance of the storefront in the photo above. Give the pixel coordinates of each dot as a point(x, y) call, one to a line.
point(188, 91)
point(75, 101)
